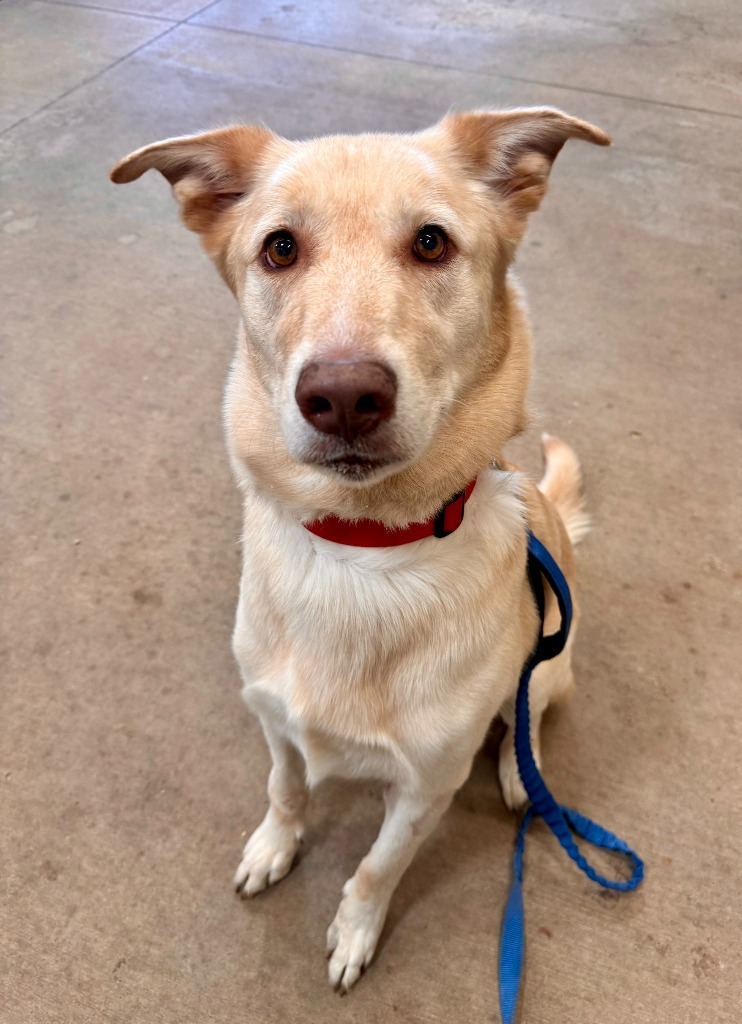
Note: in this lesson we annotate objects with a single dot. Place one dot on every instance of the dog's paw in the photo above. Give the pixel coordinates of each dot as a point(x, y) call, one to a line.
point(513, 790)
point(267, 858)
point(352, 938)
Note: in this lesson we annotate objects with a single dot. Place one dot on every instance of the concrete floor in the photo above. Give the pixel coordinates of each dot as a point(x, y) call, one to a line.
point(129, 771)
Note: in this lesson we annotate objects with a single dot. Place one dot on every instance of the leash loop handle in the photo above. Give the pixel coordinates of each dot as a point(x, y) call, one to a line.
point(563, 821)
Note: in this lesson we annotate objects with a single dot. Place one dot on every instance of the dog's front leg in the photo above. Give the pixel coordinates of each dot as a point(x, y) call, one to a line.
point(352, 936)
point(269, 853)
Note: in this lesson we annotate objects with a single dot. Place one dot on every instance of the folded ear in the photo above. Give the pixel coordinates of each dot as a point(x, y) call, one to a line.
point(209, 173)
point(513, 150)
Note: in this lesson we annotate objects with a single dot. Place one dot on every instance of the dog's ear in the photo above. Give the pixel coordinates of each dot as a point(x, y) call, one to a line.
point(209, 173)
point(513, 150)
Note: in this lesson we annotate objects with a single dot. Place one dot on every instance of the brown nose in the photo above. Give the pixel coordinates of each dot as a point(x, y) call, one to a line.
point(347, 398)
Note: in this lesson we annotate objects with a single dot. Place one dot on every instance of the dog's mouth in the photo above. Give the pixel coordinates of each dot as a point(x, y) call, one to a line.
point(354, 467)
point(354, 462)
point(365, 459)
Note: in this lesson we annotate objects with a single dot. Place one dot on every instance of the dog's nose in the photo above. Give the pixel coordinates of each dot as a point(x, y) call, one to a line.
point(346, 397)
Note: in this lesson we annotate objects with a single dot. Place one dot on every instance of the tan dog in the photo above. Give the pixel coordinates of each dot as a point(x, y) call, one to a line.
point(382, 364)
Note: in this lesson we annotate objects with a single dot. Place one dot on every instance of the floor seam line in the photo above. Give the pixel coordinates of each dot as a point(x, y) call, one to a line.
point(201, 10)
point(188, 21)
point(171, 25)
point(110, 10)
point(87, 81)
point(449, 67)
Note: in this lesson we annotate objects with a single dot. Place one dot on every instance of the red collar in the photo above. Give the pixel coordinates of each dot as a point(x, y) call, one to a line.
point(370, 533)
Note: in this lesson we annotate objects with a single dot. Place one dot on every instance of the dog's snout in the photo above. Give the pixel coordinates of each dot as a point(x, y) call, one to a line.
point(347, 397)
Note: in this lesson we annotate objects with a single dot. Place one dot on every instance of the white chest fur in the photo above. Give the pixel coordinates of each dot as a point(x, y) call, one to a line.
point(380, 661)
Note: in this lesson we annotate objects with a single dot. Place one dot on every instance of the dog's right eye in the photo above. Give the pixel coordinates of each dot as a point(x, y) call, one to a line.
point(280, 249)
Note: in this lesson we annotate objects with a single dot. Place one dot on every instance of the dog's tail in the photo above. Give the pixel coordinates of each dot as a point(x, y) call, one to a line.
point(562, 485)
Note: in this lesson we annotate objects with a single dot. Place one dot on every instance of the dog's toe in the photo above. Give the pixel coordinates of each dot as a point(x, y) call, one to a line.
point(267, 858)
point(352, 938)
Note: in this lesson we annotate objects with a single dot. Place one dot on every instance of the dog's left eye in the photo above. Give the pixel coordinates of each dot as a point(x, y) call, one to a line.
point(431, 243)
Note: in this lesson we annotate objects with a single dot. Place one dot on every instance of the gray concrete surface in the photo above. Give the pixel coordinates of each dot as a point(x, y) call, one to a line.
point(129, 771)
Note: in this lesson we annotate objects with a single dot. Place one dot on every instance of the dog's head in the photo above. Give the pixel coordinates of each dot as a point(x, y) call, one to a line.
point(381, 340)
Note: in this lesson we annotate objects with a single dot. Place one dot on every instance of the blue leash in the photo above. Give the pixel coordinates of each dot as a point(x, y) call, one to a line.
point(562, 821)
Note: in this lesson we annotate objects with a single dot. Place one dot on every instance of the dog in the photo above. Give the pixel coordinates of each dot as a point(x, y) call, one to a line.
point(381, 367)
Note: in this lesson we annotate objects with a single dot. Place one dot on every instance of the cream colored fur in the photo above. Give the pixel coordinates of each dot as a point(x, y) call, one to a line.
point(381, 663)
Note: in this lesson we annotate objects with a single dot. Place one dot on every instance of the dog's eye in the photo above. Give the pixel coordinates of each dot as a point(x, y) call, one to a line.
point(280, 249)
point(431, 243)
